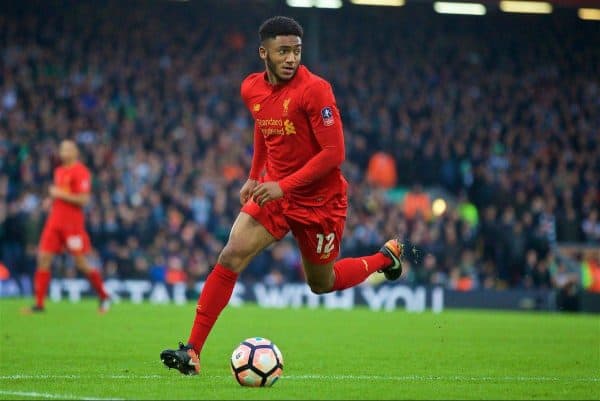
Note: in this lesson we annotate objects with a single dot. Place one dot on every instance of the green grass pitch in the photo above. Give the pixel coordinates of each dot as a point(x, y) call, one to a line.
point(71, 352)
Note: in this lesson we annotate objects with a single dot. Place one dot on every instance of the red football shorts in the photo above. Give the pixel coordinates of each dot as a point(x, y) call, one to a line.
point(56, 239)
point(318, 229)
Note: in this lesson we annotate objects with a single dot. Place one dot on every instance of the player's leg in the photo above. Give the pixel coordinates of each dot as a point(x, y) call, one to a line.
point(79, 245)
point(95, 278)
point(50, 244)
point(318, 232)
point(254, 229)
point(325, 275)
point(41, 279)
point(319, 277)
point(349, 272)
point(248, 237)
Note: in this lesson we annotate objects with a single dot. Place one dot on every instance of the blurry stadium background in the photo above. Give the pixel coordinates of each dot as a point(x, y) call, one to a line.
point(474, 136)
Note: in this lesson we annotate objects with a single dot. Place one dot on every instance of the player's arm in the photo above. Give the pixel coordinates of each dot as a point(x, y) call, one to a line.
point(259, 159)
point(326, 124)
point(259, 156)
point(79, 193)
point(80, 199)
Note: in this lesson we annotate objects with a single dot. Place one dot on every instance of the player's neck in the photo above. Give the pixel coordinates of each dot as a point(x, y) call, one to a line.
point(69, 163)
point(272, 78)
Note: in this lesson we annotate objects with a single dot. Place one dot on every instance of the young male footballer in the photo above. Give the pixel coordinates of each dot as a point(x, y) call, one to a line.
point(295, 184)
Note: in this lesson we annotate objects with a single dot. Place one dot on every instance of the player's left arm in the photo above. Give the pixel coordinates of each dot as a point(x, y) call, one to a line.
point(80, 190)
point(325, 121)
point(326, 124)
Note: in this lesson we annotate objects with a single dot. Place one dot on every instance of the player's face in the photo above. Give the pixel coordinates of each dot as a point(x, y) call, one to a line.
point(282, 57)
point(67, 152)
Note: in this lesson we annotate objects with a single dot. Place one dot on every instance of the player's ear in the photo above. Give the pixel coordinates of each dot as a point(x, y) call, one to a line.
point(262, 53)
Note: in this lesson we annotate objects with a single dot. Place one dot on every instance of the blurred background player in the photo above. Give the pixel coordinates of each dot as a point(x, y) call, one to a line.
point(299, 146)
point(64, 228)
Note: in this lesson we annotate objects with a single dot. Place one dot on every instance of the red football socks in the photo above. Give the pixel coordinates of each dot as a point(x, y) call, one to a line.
point(219, 284)
point(41, 281)
point(95, 279)
point(350, 272)
point(215, 295)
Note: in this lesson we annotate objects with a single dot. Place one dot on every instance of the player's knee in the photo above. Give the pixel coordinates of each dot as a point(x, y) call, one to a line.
point(83, 265)
point(44, 261)
point(233, 258)
point(319, 288)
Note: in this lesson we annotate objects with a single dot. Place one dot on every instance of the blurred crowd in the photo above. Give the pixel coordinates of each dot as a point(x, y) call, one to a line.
point(501, 115)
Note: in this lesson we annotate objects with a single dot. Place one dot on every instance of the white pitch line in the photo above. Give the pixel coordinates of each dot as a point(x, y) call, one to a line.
point(53, 396)
point(407, 378)
point(76, 377)
point(440, 378)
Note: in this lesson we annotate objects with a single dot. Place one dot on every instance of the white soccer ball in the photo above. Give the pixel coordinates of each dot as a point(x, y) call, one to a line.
point(256, 362)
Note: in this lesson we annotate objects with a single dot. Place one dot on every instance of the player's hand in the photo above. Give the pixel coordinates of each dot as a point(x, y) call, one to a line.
point(46, 203)
point(266, 192)
point(246, 191)
point(54, 191)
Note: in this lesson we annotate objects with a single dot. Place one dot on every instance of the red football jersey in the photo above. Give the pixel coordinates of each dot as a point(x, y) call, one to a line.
point(74, 179)
point(298, 136)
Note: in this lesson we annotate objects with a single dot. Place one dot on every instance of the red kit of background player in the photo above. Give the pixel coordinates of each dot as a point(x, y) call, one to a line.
point(65, 227)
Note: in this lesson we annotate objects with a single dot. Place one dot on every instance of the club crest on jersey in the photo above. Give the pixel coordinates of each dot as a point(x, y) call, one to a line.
point(327, 116)
point(256, 107)
point(286, 105)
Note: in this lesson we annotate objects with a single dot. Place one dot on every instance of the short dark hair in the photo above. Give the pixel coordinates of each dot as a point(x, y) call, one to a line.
point(279, 25)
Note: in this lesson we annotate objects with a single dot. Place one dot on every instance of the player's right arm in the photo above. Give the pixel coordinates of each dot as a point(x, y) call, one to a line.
point(259, 159)
point(259, 156)
point(79, 191)
point(81, 199)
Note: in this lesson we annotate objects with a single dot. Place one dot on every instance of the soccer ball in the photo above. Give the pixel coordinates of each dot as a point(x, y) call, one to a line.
point(256, 362)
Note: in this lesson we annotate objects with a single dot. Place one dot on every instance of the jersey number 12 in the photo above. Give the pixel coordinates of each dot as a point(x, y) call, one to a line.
point(321, 240)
